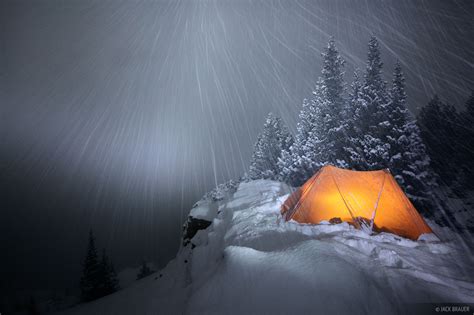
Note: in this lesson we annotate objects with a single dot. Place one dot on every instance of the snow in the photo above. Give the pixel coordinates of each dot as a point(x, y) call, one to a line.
point(250, 261)
point(128, 276)
point(204, 211)
point(428, 237)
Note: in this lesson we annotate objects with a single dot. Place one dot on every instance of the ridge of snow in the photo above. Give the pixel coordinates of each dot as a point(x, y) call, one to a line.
point(249, 261)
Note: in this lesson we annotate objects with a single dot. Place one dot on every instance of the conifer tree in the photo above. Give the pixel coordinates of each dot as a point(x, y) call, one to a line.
point(108, 277)
point(470, 107)
point(99, 277)
point(113, 284)
point(408, 161)
point(321, 131)
point(91, 276)
point(144, 271)
point(374, 123)
point(397, 135)
point(290, 162)
point(355, 106)
point(334, 140)
point(437, 122)
point(273, 139)
point(304, 157)
point(464, 148)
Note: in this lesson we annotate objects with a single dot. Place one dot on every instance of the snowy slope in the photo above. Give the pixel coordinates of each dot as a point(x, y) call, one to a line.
point(247, 261)
point(128, 275)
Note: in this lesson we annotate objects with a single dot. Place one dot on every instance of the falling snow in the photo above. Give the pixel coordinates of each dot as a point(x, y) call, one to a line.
point(120, 114)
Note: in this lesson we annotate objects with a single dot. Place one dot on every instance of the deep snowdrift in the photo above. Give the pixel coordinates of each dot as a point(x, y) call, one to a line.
point(248, 261)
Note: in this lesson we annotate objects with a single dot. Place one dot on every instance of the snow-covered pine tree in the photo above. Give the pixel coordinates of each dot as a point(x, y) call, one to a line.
point(91, 275)
point(303, 158)
point(289, 163)
point(355, 106)
point(409, 162)
point(373, 121)
point(334, 125)
point(397, 136)
point(273, 139)
point(315, 151)
point(321, 131)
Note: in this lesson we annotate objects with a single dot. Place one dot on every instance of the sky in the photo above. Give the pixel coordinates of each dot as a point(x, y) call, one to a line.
point(119, 115)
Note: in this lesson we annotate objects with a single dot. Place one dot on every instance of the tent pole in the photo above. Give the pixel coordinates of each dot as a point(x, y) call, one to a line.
point(345, 203)
point(291, 212)
point(377, 202)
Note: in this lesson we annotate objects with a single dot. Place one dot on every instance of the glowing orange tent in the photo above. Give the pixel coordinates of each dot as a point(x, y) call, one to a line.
point(360, 198)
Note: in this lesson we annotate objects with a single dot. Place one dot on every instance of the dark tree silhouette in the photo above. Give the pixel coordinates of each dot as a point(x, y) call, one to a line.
point(108, 277)
point(91, 274)
point(99, 277)
point(144, 271)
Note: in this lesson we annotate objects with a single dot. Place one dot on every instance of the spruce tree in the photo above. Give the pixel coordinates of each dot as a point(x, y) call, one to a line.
point(437, 122)
point(290, 161)
point(304, 157)
point(397, 136)
point(355, 106)
point(470, 108)
point(334, 125)
point(321, 131)
point(108, 277)
point(91, 277)
point(273, 139)
point(144, 271)
point(464, 148)
point(114, 283)
point(314, 151)
point(408, 161)
point(374, 122)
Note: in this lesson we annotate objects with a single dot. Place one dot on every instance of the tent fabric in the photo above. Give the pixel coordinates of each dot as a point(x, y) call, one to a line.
point(354, 197)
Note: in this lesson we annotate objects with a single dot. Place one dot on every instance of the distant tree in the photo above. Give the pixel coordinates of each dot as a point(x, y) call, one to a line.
point(98, 277)
point(438, 124)
point(91, 276)
point(114, 284)
point(273, 139)
point(108, 276)
point(144, 271)
point(470, 107)
point(464, 147)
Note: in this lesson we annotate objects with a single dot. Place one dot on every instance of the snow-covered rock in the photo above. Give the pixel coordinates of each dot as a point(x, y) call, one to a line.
point(248, 261)
point(206, 209)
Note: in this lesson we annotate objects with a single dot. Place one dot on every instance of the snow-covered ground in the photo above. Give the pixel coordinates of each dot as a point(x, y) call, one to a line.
point(128, 275)
point(248, 261)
